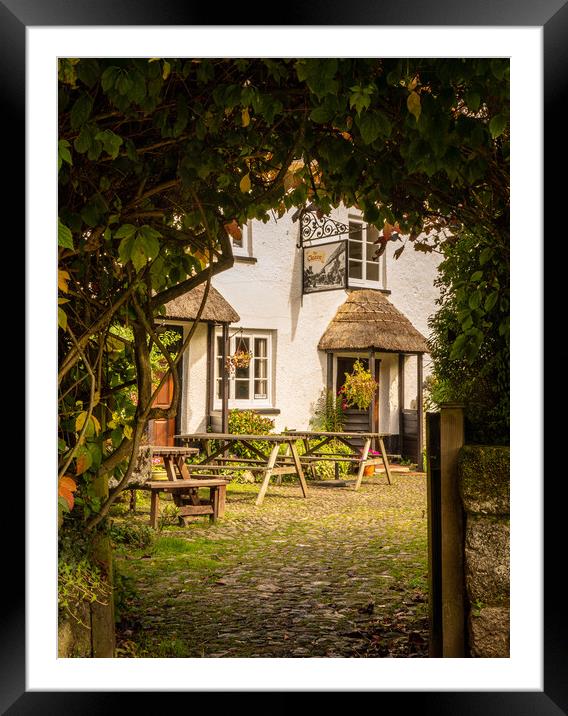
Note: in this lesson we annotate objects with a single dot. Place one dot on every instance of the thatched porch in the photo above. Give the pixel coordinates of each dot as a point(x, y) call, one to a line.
point(368, 326)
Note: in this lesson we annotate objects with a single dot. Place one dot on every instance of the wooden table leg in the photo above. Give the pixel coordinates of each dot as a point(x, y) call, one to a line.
point(299, 470)
point(311, 466)
point(364, 456)
point(267, 474)
point(385, 459)
point(154, 508)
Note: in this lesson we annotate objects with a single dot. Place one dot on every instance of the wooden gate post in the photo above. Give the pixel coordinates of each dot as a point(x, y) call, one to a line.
point(452, 540)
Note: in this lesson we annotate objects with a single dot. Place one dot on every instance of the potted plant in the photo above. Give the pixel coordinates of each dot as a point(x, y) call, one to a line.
point(359, 388)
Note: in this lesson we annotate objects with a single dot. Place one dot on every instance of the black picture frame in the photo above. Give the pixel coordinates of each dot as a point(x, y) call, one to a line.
point(552, 17)
point(314, 247)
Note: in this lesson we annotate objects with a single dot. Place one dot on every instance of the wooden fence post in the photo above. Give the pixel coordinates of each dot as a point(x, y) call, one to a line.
point(434, 541)
point(452, 539)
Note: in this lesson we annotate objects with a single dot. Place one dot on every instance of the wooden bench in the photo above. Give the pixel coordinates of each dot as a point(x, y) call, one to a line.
point(187, 499)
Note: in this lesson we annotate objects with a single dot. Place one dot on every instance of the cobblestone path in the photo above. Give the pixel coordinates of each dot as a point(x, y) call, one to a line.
point(341, 574)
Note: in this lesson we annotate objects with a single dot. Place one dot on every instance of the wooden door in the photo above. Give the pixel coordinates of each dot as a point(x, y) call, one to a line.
point(162, 430)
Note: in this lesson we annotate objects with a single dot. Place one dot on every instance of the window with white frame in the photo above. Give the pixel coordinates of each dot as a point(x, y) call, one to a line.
point(243, 246)
point(364, 268)
point(249, 386)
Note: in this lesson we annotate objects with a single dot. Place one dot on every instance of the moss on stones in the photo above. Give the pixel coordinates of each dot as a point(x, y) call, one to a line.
point(484, 479)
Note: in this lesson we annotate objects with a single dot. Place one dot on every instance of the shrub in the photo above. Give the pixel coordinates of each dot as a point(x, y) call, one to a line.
point(470, 335)
point(135, 535)
point(359, 387)
point(247, 422)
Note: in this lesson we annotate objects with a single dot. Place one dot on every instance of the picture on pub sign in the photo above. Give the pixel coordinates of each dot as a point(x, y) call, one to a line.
point(324, 267)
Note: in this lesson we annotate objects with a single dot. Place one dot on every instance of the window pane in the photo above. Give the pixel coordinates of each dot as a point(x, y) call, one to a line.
point(241, 389)
point(371, 251)
point(372, 271)
point(220, 389)
point(355, 250)
point(355, 269)
point(260, 368)
point(355, 231)
point(260, 347)
point(242, 344)
point(260, 389)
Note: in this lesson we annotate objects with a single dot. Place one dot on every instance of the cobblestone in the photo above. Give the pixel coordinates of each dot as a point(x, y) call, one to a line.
point(340, 574)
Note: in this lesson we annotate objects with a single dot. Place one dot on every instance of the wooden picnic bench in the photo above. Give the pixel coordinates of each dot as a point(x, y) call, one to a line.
point(186, 498)
point(184, 487)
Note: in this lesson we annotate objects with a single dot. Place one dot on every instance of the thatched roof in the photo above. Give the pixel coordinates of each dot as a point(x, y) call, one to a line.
point(368, 320)
point(217, 309)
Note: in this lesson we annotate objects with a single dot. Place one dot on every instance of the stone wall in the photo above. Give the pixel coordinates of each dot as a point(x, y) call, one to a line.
point(484, 490)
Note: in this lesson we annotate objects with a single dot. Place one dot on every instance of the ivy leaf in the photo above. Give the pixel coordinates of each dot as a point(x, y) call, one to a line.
point(138, 253)
point(491, 300)
point(81, 111)
point(413, 104)
point(473, 100)
point(321, 114)
point(64, 236)
point(62, 318)
point(372, 125)
point(477, 276)
point(111, 142)
point(497, 125)
point(125, 249)
point(148, 239)
point(64, 155)
point(244, 184)
point(125, 231)
point(485, 255)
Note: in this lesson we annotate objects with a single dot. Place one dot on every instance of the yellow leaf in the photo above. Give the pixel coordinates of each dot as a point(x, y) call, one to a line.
point(96, 424)
point(61, 301)
point(62, 280)
point(245, 117)
point(413, 104)
point(166, 70)
point(127, 432)
point(244, 184)
point(80, 420)
point(62, 318)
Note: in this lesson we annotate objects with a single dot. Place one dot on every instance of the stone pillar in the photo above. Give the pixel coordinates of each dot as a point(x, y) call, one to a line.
point(484, 490)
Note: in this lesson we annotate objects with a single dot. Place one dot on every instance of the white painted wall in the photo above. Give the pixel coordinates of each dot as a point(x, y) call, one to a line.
point(268, 295)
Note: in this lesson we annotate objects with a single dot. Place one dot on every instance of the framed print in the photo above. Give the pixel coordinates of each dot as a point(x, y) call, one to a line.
point(144, 29)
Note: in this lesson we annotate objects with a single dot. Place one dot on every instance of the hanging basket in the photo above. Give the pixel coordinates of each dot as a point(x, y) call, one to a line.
point(239, 359)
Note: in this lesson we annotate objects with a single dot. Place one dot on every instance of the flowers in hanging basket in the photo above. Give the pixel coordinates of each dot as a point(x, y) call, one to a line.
point(239, 359)
point(359, 387)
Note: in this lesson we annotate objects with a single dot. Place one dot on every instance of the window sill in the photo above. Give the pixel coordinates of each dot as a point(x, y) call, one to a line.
point(386, 291)
point(244, 259)
point(260, 411)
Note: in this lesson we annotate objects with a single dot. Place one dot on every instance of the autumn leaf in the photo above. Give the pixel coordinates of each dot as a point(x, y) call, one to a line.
point(62, 280)
point(245, 184)
point(413, 104)
point(68, 483)
point(245, 117)
point(67, 496)
point(234, 230)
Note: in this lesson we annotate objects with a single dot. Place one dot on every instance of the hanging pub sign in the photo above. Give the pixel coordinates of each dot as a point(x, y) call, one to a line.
point(324, 267)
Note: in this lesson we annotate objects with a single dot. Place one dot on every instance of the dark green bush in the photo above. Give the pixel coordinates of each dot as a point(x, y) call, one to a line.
point(470, 335)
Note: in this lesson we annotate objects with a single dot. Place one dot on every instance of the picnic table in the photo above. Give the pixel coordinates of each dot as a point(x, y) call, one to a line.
point(185, 487)
point(267, 461)
point(313, 453)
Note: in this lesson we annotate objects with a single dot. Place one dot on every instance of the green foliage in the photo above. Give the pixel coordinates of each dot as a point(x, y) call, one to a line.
point(328, 412)
point(359, 387)
point(80, 582)
point(247, 422)
point(133, 535)
point(470, 334)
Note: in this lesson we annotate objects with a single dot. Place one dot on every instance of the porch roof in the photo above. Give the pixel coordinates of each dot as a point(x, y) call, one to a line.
point(368, 320)
point(216, 310)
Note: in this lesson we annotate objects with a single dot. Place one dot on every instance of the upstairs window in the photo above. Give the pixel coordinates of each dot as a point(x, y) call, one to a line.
point(242, 246)
point(364, 268)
